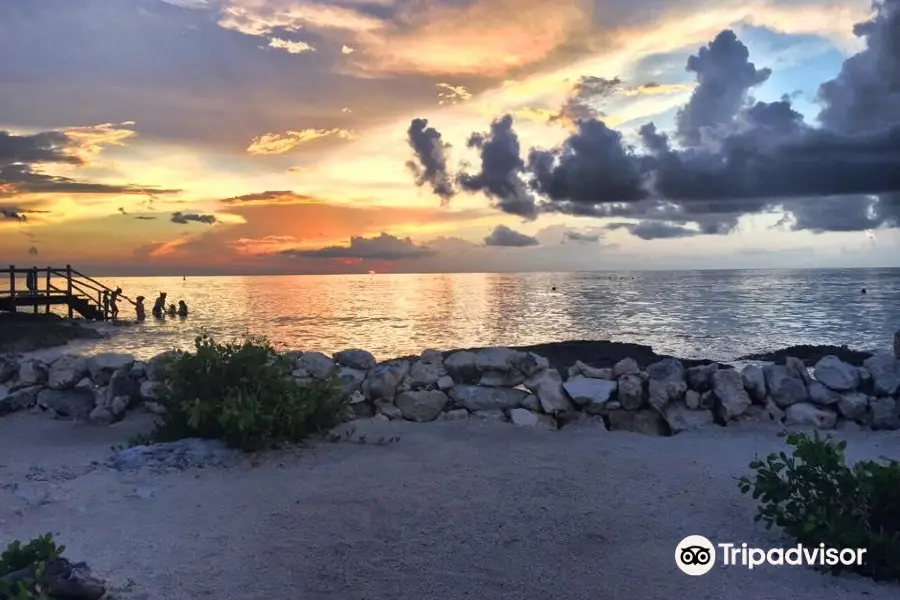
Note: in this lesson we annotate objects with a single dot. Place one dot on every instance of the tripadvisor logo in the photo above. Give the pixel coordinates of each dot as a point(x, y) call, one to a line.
point(696, 555)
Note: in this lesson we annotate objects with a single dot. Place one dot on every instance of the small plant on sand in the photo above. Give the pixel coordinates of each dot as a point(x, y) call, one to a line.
point(22, 568)
point(242, 393)
point(817, 499)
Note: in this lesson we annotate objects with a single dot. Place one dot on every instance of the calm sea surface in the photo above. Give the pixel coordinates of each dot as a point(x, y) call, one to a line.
point(692, 314)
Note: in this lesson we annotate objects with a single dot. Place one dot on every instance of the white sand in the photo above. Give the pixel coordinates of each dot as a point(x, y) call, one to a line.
point(454, 510)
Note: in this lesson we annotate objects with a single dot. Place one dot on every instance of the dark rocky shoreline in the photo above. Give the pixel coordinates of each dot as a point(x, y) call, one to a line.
point(27, 332)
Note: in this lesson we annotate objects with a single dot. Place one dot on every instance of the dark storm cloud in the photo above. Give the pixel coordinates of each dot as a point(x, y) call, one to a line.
point(501, 169)
point(731, 156)
point(654, 230)
point(581, 101)
point(431, 158)
point(504, 236)
point(382, 247)
point(185, 218)
point(21, 154)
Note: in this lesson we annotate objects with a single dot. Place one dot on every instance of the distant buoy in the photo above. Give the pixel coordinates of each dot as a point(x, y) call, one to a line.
point(553, 289)
point(863, 291)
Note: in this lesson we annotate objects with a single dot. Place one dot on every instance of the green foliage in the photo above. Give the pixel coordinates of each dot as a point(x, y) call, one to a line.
point(34, 556)
point(816, 498)
point(242, 393)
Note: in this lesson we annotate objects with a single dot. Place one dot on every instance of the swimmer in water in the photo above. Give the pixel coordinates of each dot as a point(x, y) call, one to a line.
point(863, 291)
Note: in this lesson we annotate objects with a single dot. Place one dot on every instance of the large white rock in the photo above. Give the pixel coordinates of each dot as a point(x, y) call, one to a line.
point(350, 378)
point(480, 398)
point(785, 385)
point(74, 404)
point(580, 368)
point(102, 366)
point(66, 371)
point(853, 405)
point(382, 380)
point(836, 375)
point(885, 371)
point(805, 413)
point(355, 358)
point(626, 366)
point(425, 374)
point(699, 378)
point(548, 387)
point(314, 364)
point(666, 382)
point(631, 391)
point(821, 395)
point(526, 418)
point(754, 383)
point(31, 372)
point(424, 405)
point(733, 399)
point(505, 366)
point(797, 366)
point(591, 394)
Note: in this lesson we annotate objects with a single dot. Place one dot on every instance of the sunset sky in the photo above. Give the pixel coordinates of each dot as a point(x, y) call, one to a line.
point(287, 136)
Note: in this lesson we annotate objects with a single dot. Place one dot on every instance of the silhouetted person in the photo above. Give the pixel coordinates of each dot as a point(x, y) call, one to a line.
point(553, 289)
point(182, 309)
point(159, 306)
point(113, 306)
point(31, 280)
point(172, 310)
point(863, 291)
point(139, 308)
point(105, 304)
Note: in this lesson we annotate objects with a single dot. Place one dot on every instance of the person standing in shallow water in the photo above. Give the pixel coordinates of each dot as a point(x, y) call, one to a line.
point(182, 309)
point(139, 308)
point(159, 306)
point(113, 306)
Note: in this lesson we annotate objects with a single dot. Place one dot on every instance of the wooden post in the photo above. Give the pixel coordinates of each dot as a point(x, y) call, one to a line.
point(69, 288)
point(12, 286)
point(47, 307)
point(34, 291)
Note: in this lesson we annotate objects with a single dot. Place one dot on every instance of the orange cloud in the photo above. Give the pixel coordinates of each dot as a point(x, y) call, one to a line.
point(281, 143)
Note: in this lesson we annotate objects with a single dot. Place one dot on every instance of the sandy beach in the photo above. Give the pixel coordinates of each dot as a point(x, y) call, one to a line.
point(469, 509)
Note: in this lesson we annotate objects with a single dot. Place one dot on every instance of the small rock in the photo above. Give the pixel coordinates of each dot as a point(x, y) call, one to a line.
point(445, 383)
point(755, 383)
point(31, 372)
point(457, 414)
point(797, 366)
point(382, 381)
point(102, 366)
point(547, 385)
point(426, 374)
point(350, 378)
point(66, 371)
point(661, 391)
point(461, 367)
point(102, 416)
point(583, 370)
point(852, 405)
point(355, 358)
point(532, 403)
point(631, 391)
point(885, 371)
point(356, 397)
point(821, 395)
point(883, 414)
point(73, 404)
point(477, 398)
point(785, 385)
point(805, 413)
point(667, 369)
point(733, 399)
point(837, 375)
point(432, 356)
point(526, 418)
point(626, 366)
point(691, 399)
point(421, 405)
point(699, 378)
point(316, 365)
point(386, 408)
point(590, 394)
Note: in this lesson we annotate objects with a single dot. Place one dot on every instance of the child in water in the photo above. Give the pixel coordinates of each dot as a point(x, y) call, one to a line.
point(172, 310)
point(139, 308)
point(182, 309)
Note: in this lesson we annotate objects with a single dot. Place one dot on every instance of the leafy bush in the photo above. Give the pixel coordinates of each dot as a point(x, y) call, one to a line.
point(34, 555)
point(816, 498)
point(242, 393)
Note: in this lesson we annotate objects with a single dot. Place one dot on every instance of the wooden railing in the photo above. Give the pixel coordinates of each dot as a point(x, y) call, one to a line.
point(77, 288)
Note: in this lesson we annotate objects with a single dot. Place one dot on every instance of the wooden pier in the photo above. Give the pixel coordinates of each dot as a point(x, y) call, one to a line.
point(51, 286)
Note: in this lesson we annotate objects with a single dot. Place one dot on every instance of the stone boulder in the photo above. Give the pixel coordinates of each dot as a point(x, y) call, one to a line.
point(314, 364)
point(102, 366)
point(350, 378)
point(836, 375)
point(732, 398)
point(156, 368)
point(123, 384)
point(445, 383)
point(805, 413)
point(883, 414)
point(461, 367)
point(478, 398)
point(646, 421)
point(547, 387)
point(680, 418)
point(421, 406)
point(584, 370)
point(666, 383)
point(821, 395)
point(785, 385)
point(388, 409)
point(150, 390)
point(755, 383)
point(425, 374)
point(631, 391)
point(797, 366)
point(626, 366)
point(526, 418)
point(699, 378)
point(74, 404)
point(501, 367)
point(885, 372)
point(355, 359)
point(21, 399)
point(853, 405)
point(382, 381)
point(9, 367)
point(31, 372)
point(66, 371)
point(590, 394)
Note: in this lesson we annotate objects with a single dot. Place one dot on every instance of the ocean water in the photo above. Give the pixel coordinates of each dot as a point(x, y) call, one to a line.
point(719, 315)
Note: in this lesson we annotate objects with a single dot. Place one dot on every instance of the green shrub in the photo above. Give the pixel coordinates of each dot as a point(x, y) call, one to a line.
point(816, 498)
point(34, 555)
point(242, 393)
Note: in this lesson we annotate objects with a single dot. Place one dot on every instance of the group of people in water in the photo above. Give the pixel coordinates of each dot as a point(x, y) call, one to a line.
point(159, 310)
